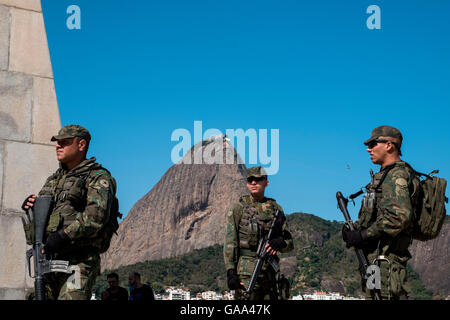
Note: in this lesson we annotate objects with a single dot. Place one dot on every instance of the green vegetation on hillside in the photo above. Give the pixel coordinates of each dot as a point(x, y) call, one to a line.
point(323, 263)
point(200, 270)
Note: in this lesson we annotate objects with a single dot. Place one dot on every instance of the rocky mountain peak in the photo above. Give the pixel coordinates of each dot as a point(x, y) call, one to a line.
point(185, 210)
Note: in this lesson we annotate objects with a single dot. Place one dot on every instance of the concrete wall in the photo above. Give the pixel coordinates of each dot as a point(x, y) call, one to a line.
point(29, 116)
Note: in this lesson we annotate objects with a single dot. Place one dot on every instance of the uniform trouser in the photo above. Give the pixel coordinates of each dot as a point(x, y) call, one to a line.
point(265, 287)
point(394, 280)
point(75, 286)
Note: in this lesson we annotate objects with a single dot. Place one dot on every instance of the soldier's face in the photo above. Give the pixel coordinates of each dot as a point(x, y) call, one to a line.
point(256, 186)
point(69, 149)
point(378, 152)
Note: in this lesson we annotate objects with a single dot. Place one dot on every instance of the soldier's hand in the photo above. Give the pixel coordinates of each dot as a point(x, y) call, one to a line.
point(29, 202)
point(276, 245)
point(56, 241)
point(234, 282)
point(353, 237)
point(270, 250)
point(242, 288)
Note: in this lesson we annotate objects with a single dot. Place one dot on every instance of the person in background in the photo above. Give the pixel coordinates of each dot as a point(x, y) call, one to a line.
point(114, 292)
point(138, 290)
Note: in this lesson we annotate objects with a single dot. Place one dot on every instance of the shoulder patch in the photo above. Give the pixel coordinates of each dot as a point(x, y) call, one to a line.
point(401, 182)
point(104, 183)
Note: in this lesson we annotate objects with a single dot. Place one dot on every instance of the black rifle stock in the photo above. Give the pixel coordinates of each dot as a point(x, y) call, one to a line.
point(363, 263)
point(42, 265)
point(263, 256)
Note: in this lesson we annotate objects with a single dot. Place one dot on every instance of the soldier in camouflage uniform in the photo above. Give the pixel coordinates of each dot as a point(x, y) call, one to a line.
point(246, 222)
point(384, 225)
point(82, 192)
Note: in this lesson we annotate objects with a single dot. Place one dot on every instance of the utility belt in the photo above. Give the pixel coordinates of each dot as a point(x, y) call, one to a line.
point(390, 257)
point(76, 255)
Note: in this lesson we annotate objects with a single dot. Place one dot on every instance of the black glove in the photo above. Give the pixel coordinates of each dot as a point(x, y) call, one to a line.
point(277, 244)
point(234, 282)
point(25, 202)
point(56, 241)
point(353, 238)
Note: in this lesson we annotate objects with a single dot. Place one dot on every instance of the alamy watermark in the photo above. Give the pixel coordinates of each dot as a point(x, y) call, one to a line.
point(214, 147)
point(74, 20)
point(374, 20)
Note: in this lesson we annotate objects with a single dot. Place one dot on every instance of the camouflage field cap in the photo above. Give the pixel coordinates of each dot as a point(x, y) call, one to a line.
point(72, 131)
point(256, 172)
point(384, 131)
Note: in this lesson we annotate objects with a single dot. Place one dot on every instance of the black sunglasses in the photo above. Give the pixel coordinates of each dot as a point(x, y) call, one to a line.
point(372, 144)
point(256, 179)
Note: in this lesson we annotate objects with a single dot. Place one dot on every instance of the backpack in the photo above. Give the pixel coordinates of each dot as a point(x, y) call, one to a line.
point(429, 206)
point(428, 203)
point(112, 224)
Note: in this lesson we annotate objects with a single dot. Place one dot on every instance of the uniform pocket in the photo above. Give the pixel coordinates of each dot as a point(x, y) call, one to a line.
point(398, 279)
point(29, 232)
point(75, 192)
point(246, 265)
point(54, 221)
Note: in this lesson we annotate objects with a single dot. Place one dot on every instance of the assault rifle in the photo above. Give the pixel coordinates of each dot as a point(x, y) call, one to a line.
point(42, 265)
point(363, 263)
point(263, 256)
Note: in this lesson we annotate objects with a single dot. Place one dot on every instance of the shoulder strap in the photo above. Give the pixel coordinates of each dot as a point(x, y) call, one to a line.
point(386, 171)
point(417, 173)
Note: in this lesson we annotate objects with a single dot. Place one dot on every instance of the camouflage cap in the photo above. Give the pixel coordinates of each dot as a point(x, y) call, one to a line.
point(384, 131)
point(72, 131)
point(256, 172)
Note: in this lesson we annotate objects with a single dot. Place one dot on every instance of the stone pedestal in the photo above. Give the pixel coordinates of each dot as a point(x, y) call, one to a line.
point(29, 116)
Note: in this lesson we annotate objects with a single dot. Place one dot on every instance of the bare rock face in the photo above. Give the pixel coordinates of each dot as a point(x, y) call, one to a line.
point(184, 211)
point(431, 260)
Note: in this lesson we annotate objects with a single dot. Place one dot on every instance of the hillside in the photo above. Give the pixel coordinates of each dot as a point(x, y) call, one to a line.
point(320, 261)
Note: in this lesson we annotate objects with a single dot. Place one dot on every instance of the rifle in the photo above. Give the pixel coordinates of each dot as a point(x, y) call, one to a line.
point(263, 256)
point(363, 263)
point(41, 209)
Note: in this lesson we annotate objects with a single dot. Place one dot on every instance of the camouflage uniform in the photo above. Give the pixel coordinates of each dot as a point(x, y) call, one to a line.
point(82, 199)
point(386, 217)
point(243, 221)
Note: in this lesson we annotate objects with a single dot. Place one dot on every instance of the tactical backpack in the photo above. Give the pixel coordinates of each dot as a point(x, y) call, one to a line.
point(428, 203)
point(112, 223)
point(429, 206)
point(111, 226)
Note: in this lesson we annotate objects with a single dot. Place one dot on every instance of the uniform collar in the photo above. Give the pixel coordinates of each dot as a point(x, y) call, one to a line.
point(250, 199)
point(396, 163)
point(82, 166)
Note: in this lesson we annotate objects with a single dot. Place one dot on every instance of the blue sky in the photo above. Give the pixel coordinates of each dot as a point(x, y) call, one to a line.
point(138, 70)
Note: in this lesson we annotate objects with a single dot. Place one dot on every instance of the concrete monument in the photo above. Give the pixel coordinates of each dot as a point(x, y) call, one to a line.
point(29, 116)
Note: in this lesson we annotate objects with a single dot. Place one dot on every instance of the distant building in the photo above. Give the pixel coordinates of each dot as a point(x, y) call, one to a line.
point(209, 295)
point(228, 295)
point(178, 293)
point(321, 295)
point(183, 293)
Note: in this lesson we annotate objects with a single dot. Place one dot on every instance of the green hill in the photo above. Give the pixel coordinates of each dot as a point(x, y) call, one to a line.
point(319, 261)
